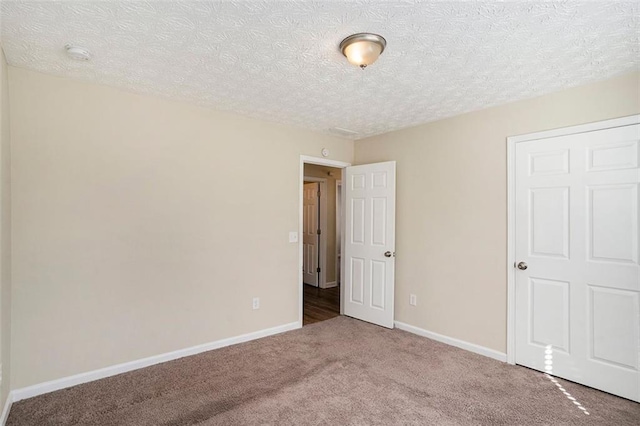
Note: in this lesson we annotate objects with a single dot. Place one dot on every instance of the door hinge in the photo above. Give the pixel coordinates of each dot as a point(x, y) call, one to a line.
point(317, 269)
point(319, 231)
point(318, 194)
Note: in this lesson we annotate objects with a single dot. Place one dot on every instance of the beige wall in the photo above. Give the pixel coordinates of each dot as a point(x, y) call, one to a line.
point(143, 226)
point(5, 232)
point(138, 227)
point(314, 170)
point(452, 205)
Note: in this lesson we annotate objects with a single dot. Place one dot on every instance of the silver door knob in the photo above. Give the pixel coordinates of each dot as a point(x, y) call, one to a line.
point(522, 266)
point(388, 254)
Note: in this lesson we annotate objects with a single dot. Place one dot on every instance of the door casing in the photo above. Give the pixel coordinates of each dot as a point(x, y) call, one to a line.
point(511, 208)
point(305, 159)
point(338, 214)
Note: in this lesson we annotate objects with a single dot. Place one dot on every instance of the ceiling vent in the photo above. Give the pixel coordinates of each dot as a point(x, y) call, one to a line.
point(343, 132)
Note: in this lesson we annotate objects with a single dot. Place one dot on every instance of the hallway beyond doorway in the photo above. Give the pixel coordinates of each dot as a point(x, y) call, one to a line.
point(320, 304)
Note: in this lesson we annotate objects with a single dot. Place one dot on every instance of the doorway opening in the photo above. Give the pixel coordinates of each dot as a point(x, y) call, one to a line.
point(320, 239)
point(320, 243)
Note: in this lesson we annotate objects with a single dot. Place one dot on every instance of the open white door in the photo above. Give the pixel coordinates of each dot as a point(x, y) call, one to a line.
point(577, 258)
point(369, 235)
point(310, 234)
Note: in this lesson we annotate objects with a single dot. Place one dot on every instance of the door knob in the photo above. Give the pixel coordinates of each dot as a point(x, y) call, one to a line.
point(522, 266)
point(388, 254)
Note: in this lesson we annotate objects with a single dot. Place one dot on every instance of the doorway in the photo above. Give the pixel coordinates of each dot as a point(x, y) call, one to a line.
point(320, 225)
point(367, 240)
point(316, 296)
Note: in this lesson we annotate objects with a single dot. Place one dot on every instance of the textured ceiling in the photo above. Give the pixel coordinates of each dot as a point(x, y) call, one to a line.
point(279, 60)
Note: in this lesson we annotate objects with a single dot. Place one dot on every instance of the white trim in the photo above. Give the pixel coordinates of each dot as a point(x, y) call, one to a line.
point(471, 347)
point(511, 199)
point(322, 222)
point(339, 228)
point(511, 244)
point(321, 162)
point(343, 178)
point(89, 376)
point(331, 284)
point(6, 409)
point(581, 128)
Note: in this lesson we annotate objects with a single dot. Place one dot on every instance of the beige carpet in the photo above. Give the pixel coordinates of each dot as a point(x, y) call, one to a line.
point(338, 372)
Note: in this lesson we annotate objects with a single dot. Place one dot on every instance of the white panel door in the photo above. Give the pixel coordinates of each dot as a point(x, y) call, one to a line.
point(310, 240)
point(369, 249)
point(578, 300)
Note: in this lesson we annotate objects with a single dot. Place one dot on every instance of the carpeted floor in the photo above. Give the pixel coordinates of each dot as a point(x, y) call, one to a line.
point(339, 372)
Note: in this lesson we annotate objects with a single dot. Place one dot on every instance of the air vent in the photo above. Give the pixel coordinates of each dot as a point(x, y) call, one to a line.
point(343, 132)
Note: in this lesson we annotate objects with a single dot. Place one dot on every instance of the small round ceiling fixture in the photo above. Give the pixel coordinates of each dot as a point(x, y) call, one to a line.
point(77, 53)
point(363, 49)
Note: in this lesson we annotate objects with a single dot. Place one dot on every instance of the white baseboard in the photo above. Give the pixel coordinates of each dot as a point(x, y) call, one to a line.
point(330, 284)
point(65, 382)
point(471, 347)
point(6, 409)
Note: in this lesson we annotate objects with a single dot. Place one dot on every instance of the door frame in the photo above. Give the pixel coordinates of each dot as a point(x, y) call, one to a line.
point(339, 230)
point(511, 208)
point(322, 223)
point(305, 159)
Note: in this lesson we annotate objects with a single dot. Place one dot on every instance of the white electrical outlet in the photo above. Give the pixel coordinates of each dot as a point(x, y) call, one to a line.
point(256, 303)
point(413, 300)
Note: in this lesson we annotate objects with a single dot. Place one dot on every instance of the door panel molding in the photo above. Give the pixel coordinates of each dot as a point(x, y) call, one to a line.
point(369, 247)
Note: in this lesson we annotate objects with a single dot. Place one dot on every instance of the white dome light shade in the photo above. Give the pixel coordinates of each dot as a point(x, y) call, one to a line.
point(363, 49)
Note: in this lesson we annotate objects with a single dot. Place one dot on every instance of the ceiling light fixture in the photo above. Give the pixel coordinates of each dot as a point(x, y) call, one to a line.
point(363, 49)
point(78, 53)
